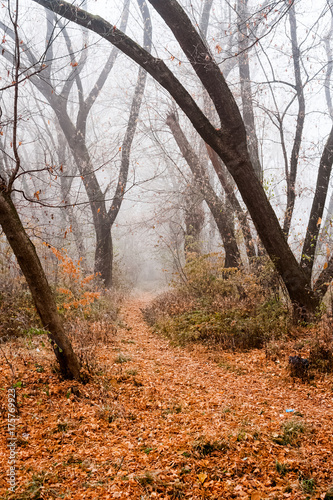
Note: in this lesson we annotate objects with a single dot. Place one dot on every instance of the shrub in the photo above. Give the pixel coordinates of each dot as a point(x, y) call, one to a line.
point(76, 291)
point(218, 287)
point(170, 303)
point(234, 328)
point(214, 304)
point(17, 310)
point(321, 356)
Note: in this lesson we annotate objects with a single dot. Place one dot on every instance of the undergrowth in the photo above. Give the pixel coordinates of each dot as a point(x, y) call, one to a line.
point(17, 310)
point(292, 433)
point(237, 309)
point(89, 312)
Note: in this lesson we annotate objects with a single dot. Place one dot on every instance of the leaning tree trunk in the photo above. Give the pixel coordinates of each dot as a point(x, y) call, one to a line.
point(222, 217)
point(31, 267)
point(228, 188)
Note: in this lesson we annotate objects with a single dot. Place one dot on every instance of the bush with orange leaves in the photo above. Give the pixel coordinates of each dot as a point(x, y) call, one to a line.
point(77, 293)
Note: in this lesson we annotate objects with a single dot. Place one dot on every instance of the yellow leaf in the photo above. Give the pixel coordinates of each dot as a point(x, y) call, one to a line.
point(114, 383)
point(328, 251)
point(202, 477)
point(325, 265)
point(319, 221)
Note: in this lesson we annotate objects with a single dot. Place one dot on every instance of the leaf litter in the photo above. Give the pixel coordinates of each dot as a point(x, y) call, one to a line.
point(168, 422)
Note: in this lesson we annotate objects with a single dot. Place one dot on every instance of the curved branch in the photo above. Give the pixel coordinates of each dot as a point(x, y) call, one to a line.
point(95, 91)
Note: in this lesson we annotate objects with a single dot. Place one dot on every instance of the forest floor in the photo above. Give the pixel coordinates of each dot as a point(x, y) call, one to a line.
point(161, 421)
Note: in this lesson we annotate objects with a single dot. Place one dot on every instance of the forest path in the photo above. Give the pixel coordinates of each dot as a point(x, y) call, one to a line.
point(204, 420)
point(157, 421)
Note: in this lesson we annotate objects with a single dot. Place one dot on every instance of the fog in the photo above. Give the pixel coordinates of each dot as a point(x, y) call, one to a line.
point(149, 232)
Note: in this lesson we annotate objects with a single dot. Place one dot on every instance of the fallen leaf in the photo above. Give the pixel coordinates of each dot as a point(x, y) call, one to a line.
point(202, 477)
point(114, 383)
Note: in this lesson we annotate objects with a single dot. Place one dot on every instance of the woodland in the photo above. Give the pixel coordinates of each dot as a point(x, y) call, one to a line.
point(166, 249)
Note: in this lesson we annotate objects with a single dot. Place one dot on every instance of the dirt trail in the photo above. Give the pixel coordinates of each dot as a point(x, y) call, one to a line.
point(192, 400)
point(161, 421)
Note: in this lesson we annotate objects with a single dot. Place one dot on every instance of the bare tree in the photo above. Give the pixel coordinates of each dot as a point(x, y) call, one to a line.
point(244, 40)
point(229, 140)
point(20, 242)
point(75, 132)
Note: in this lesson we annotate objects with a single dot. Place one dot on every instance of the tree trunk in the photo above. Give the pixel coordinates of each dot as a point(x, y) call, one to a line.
point(317, 209)
point(246, 87)
point(31, 267)
point(104, 252)
point(223, 174)
point(222, 216)
point(291, 174)
point(77, 144)
point(66, 181)
point(194, 220)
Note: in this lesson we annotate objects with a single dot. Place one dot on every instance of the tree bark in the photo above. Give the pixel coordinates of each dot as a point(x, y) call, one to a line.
point(223, 174)
point(104, 252)
point(324, 279)
point(65, 186)
point(246, 88)
point(194, 220)
point(31, 267)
